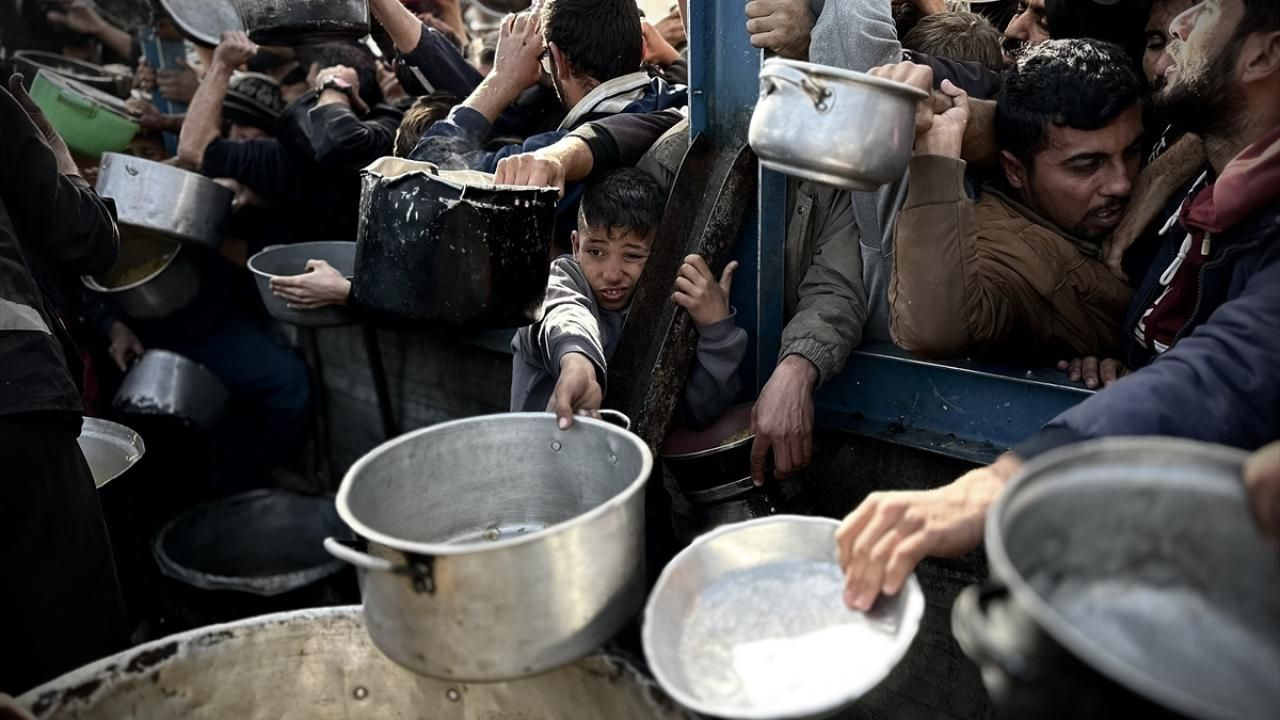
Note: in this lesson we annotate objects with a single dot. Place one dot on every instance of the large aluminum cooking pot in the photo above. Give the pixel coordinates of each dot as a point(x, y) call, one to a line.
point(29, 62)
point(320, 665)
point(303, 22)
point(170, 282)
point(203, 20)
point(284, 260)
point(1128, 581)
point(499, 546)
point(164, 199)
point(833, 126)
point(109, 448)
point(450, 247)
point(166, 383)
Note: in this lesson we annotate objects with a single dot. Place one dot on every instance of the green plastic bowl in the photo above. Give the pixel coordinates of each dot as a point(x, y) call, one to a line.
point(91, 122)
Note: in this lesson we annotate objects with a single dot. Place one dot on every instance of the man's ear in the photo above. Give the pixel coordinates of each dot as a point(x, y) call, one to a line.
point(559, 62)
point(573, 241)
point(1260, 57)
point(1014, 171)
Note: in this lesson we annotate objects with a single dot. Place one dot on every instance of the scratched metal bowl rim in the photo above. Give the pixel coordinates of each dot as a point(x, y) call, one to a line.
point(909, 603)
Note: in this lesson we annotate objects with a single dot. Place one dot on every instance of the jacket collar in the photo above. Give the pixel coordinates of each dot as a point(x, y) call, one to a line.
point(1090, 248)
point(1248, 183)
point(609, 97)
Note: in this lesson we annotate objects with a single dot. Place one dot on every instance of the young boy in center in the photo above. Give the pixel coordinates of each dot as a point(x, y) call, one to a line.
point(561, 363)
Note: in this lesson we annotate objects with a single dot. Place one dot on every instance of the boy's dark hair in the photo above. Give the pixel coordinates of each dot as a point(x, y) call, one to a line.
point(1080, 84)
point(961, 36)
point(353, 56)
point(419, 118)
point(624, 198)
point(601, 38)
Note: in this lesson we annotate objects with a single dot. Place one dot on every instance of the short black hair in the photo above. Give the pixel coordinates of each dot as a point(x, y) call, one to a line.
point(623, 199)
point(601, 38)
point(353, 56)
point(1080, 84)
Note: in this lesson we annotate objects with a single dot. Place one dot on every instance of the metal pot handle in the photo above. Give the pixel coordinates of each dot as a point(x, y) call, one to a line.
point(616, 418)
point(817, 92)
point(420, 570)
point(973, 627)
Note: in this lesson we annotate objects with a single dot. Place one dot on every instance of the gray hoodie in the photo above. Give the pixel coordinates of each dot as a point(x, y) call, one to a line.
point(573, 322)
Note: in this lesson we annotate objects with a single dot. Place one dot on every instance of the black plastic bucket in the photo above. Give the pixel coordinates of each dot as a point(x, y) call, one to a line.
point(251, 554)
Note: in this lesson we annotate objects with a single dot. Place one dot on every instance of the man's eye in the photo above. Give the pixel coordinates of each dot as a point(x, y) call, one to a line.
point(1156, 43)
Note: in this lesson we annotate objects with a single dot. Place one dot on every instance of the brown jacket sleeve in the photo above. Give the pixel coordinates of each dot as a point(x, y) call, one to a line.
point(943, 298)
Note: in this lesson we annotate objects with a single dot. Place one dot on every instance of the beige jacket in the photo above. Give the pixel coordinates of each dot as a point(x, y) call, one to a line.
point(992, 278)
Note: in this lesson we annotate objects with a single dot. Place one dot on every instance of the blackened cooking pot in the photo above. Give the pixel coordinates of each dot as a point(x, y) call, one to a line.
point(1128, 580)
point(452, 248)
point(303, 22)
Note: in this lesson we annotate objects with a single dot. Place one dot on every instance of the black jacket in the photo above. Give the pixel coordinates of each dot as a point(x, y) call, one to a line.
point(51, 227)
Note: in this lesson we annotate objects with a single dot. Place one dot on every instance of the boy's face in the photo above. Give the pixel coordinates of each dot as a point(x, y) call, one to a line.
point(613, 260)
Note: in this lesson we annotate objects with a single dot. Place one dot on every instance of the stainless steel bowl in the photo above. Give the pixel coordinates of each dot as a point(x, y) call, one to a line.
point(166, 383)
point(157, 295)
point(164, 199)
point(498, 546)
point(203, 20)
point(109, 448)
point(284, 260)
point(749, 622)
point(833, 126)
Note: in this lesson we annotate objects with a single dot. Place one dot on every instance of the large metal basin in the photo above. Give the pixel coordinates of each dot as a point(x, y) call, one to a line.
point(285, 260)
point(499, 546)
point(833, 126)
point(109, 448)
point(161, 198)
point(320, 665)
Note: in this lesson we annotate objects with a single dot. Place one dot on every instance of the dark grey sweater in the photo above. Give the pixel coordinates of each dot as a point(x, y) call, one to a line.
point(573, 322)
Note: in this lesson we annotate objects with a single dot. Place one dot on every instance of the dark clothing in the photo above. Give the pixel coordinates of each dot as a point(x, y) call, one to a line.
point(977, 80)
point(1219, 382)
point(58, 589)
point(341, 139)
point(51, 226)
point(621, 140)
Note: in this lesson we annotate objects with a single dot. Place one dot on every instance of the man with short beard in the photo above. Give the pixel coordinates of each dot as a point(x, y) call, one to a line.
point(1208, 312)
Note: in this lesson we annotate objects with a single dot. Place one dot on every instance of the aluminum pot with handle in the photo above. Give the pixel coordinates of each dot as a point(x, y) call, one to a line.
point(171, 286)
point(303, 22)
point(833, 126)
point(498, 547)
point(163, 199)
point(167, 384)
point(1128, 580)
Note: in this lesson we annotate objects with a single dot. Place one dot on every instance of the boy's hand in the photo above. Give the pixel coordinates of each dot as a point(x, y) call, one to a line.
point(320, 286)
point(697, 291)
point(577, 390)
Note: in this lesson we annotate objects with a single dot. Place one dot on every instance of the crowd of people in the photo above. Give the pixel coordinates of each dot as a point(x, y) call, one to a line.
point(1094, 186)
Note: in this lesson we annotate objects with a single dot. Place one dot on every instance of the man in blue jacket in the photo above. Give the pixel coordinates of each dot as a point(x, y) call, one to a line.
point(1207, 315)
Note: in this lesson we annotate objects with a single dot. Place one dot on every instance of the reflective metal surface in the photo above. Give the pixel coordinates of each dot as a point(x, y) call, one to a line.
point(499, 546)
point(833, 126)
point(292, 260)
point(29, 62)
point(157, 197)
point(1140, 558)
point(109, 448)
point(320, 665)
point(749, 622)
point(166, 383)
point(157, 295)
point(203, 20)
point(303, 22)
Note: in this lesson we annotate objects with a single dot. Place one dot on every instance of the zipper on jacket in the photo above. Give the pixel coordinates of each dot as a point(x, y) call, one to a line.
point(1195, 312)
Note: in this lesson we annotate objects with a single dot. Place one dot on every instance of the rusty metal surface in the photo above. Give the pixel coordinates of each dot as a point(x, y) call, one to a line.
point(704, 215)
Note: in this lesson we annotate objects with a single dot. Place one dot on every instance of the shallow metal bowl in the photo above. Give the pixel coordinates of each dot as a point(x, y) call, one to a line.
point(833, 126)
point(749, 622)
point(109, 448)
point(285, 260)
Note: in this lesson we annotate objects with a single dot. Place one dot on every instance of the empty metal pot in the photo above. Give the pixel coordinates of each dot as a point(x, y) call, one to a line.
point(283, 260)
point(499, 546)
point(833, 126)
point(109, 448)
point(203, 20)
point(163, 199)
point(1128, 580)
point(303, 22)
point(29, 62)
point(158, 294)
point(166, 383)
point(320, 665)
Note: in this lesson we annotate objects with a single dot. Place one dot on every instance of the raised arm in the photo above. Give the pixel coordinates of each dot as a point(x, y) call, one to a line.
point(402, 25)
point(204, 117)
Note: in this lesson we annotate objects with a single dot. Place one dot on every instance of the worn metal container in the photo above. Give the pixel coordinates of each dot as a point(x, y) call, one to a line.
point(452, 248)
point(1128, 580)
point(498, 546)
point(159, 293)
point(303, 22)
point(749, 622)
point(284, 260)
point(168, 384)
point(833, 126)
point(320, 665)
point(163, 199)
point(203, 20)
point(109, 448)
point(30, 62)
